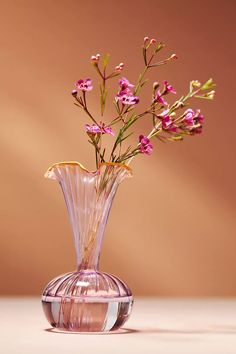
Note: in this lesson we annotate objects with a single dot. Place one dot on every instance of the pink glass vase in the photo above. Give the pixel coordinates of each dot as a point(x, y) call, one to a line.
point(87, 300)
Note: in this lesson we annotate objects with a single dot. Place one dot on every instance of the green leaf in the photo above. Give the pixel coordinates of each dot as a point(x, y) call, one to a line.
point(125, 137)
point(208, 85)
point(106, 60)
point(204, 97)
point(160, 138)
point(131, 121)
point(176, 138)
point(105, 94)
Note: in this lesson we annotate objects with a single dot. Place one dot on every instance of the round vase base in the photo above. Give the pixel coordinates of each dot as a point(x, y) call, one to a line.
point(82, 303)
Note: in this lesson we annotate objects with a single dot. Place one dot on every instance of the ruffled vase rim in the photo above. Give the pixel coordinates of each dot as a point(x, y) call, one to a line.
point(76, 163)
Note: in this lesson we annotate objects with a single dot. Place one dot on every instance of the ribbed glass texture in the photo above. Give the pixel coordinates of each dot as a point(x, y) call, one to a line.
point(87, 300)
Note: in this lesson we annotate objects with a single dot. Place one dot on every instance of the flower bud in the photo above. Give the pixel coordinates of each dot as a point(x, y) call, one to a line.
point(119, 67)
point(173, 56)
point(95, 58)
point(155, 85)
point(74, 93)
point(196, 83)
point(146, 39)
point(210, 95)
point(153, 41)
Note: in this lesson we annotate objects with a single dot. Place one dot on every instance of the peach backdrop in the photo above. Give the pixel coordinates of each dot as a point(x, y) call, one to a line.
point(172, 228)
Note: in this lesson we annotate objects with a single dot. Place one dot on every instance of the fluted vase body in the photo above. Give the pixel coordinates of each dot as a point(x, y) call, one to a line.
point(87, 300)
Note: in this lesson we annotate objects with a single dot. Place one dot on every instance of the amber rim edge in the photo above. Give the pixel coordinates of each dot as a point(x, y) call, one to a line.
point(85, 169)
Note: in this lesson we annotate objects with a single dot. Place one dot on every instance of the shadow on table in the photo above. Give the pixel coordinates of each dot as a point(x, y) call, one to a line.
point(209, 330)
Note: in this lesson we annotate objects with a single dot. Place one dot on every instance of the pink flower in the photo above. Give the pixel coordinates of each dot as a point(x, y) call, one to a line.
point(129, 99)
point(96, 129)
point(84, 85)
point(107, 130)
point(168, 88)
point(199, 117)
point(124, 92)
point(193, 118)
point(159, 98)
point(172, 129)
point(166, 120)
point(124, 83)
point(92, 129)
point(145, 145)
point(193, 121)
point(125, 95)
point(189, 117)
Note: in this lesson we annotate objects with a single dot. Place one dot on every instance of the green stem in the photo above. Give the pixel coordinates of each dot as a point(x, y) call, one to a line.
point(138, 86)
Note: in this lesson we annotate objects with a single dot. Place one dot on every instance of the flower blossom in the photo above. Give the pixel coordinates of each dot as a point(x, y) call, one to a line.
point(165, 119)
point(84, 85)
point(193, 118)
point(168, 88)
point(107, 130)
point(125, 95)
point(124, 83)
point(199, 117)
point(193, 121)
point(159, 98)
point(96, 129)
point(189, 116)
point(127, 98)
point(159, 95)
point(145, 145)
point(93, 129)
point(167, 122)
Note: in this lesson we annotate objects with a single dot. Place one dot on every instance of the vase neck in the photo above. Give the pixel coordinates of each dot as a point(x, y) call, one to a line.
point(89, 198)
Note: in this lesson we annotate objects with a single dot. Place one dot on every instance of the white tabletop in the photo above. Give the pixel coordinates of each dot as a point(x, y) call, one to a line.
point(183, 326)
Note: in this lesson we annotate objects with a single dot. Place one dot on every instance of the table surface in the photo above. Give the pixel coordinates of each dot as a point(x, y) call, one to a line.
point(156, 326)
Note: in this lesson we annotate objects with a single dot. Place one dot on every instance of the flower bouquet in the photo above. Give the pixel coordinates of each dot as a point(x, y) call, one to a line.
point(88, 300)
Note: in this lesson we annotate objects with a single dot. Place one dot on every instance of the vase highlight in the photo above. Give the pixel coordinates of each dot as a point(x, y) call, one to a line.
point(87, 300)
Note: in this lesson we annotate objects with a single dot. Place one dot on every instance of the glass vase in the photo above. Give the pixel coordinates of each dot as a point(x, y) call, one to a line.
point(87, 300)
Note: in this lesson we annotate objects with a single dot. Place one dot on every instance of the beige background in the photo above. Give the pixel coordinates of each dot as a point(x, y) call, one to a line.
point(172, 228)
